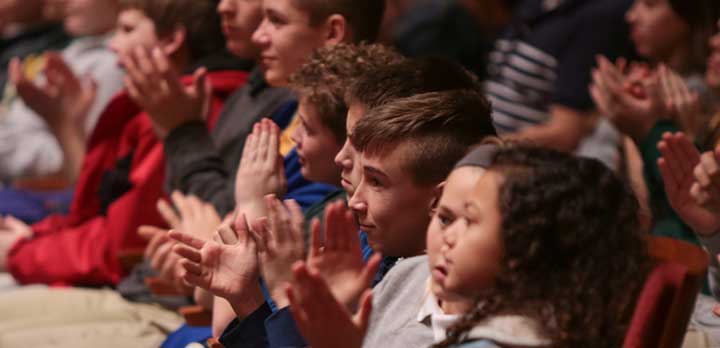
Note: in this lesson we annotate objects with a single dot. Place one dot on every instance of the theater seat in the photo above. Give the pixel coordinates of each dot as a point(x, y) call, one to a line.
point(668, 296)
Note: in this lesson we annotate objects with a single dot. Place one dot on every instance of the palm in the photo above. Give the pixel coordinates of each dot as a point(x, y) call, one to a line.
point(343, 273)
point(697, 217)
point(227, 268)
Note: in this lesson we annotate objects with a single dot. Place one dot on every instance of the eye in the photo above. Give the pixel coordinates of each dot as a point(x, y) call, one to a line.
point(445, 220)
point(374, 182)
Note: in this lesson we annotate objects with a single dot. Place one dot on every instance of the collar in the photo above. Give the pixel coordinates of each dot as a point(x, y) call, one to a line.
point(432, 315)
point(256, 81)
point(514, 330)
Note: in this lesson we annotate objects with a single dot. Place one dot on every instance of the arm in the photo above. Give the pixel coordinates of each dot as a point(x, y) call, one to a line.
point(87, 253)
point(563, 131)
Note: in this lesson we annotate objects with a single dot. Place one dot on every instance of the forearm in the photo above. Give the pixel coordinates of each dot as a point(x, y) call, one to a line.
point(73, 146)
point(563, 131)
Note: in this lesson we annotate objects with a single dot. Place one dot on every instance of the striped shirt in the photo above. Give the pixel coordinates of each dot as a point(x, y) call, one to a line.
point(545, 57)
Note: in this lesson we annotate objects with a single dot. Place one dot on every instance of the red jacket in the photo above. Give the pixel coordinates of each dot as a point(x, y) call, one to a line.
point(81, 248)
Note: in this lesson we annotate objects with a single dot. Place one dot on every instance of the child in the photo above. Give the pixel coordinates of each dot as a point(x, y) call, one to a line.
point(123, 167)
point(522, 248)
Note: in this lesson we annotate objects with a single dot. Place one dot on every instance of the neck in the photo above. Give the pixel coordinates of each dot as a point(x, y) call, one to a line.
point(679, 59)
point(455, 307)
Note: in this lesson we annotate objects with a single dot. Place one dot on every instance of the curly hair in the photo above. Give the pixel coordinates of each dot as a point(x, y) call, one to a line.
point(324, 78)
point(574, 255)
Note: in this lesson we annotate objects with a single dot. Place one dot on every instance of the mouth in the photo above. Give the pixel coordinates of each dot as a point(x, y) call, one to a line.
point(366, 227)
point(439, 273)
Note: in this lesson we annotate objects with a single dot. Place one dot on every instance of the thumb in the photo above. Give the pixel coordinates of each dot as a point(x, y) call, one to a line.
point(362, 317)
point(370, 269)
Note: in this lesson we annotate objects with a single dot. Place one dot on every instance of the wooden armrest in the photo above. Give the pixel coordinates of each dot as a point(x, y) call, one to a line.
point(196, 315)
point(128, 258)
point(214, 343)
point(160, 287)
point(46, 183)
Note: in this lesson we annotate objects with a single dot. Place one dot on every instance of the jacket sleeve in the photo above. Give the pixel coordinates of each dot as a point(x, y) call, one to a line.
point(195, 166)
point(86, 253)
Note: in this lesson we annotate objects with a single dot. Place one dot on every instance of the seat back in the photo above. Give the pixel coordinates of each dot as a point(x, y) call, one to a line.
point(668, 296)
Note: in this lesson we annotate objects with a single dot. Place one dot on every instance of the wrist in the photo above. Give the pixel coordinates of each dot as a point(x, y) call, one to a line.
point(248, 302)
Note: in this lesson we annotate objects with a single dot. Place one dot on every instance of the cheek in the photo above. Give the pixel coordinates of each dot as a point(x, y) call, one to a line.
point(434, 240)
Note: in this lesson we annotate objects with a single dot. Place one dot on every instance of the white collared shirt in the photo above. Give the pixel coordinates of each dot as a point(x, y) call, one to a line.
point(431, 311)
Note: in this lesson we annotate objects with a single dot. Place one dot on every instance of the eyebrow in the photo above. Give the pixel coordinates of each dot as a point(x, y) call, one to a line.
point(471, 207)
point(375, 171)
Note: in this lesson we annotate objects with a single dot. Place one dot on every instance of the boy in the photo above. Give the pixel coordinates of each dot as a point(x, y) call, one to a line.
point(124, 158)
point(204, 164)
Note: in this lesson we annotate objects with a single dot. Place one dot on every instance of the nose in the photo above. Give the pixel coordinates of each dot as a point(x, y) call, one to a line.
point(260, 36)
point(450, 233)
point(357, 202)
point(297, 135)
point(343, 159)
point(225, 7)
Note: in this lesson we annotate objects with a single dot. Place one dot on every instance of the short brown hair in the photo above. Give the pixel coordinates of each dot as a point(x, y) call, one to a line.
point(323, 79)
point(438, 127)
point(203, 33)
point(363, 16)
point(408, 78)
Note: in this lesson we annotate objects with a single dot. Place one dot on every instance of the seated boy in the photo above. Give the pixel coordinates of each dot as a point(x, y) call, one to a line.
point(123, 168)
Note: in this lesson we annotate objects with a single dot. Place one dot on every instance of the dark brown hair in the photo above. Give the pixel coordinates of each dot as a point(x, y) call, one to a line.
point(574, 254)
point(203, 34)
point(701, 16)
point(323, 79)
point(363, 16)
point(438, 128)
point(409, 78)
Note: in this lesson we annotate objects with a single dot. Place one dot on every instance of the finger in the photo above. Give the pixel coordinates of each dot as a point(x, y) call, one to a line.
point(260, 232)
point(362, 319)
point(148, 232)
point(297, 221)
point(701, 177)
point(273, 142)
point(15, 71)
point(331, 234)
point(180, 201)
point(263, 141)
point(161, 254)
point(166, 72)
point(187, 239)
point(156, 242)
point(188, 253)
point(168, 214)
point(145, 64)
point(371, 268)
point(191, 268)
point(227, 235)
point(274, 220)
point(297, 310)
point(315, 238)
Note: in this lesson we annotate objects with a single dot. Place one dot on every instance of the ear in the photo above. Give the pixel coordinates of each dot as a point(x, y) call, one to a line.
point(173, 42)
point(337, 30)
point(437, 193)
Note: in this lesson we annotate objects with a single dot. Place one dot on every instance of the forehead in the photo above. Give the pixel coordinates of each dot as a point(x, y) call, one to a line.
point(460, 181)
point(485, 192)
point(392, 161)
point(286, 8)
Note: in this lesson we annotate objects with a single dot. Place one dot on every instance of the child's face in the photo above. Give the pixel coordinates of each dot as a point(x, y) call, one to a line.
point(286, 39)
point(656, 29)
point(316, 146)
point(390, 207)
point(134, 29)
point(472, 251)
point(87, 17)
point(347, 159)
point(712, 76)
point(450, 209)
point(240, 18)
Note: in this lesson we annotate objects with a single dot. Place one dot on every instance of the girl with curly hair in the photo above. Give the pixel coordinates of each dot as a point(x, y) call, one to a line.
point(550, 248)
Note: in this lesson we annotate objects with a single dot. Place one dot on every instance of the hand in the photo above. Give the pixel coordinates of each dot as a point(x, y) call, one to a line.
point(339, 260)
point(261, 170)
point(156, 87)
point(281, 243)
point(11, 230)
point(706, 189)
point(633, 106)
point(226, 265)
point(162, 259)
point(192, 216)
point(679, 157)
point(63, 101)
point(683, 104)
point(324, 321)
